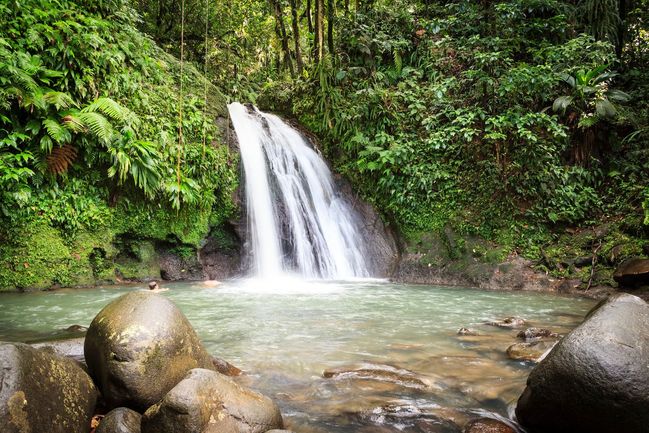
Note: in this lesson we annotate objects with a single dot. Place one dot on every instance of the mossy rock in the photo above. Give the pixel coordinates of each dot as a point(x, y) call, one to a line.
point(35, 258)
point(43, 392)
point(139, 347)
point(207, 401)
point(138, 260)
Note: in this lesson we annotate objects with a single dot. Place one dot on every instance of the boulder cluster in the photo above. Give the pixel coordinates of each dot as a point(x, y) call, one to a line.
point(147, 371)
point(145, 365)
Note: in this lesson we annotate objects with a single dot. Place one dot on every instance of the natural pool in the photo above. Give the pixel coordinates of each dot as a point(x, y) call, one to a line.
point(285, 335)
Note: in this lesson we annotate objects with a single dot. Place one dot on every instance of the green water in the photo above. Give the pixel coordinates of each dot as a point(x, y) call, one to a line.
point(285, 335)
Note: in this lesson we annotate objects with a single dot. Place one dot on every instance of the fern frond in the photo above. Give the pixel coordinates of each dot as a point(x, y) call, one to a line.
point(98, 125)
point(61, 159)
point(108, 107)
point(398, 61)
point(56, 131)
point(59, 99)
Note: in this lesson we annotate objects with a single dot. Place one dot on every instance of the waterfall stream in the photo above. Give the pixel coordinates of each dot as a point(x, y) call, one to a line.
point(298, 222)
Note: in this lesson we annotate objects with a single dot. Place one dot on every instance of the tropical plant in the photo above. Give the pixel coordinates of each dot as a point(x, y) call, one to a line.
point(591, 101)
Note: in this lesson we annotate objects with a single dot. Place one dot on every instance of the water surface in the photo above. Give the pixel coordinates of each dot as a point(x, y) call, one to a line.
point(286, 334)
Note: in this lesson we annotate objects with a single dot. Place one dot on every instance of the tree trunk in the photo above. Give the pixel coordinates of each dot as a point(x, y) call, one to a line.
point(331, 15)
point(296, 36)
point(309, 18)
point(318, 40)
point(281, 33)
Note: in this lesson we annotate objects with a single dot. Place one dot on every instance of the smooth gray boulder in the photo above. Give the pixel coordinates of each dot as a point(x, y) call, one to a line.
point(596, 379)
point(139, 347)
point(41, 391)
point(120, 420)
point(208, 402)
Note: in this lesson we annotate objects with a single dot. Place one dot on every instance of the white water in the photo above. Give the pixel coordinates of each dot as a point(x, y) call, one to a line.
point(297, 221)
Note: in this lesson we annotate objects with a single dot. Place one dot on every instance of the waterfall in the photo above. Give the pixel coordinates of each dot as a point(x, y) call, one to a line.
point(298, 222)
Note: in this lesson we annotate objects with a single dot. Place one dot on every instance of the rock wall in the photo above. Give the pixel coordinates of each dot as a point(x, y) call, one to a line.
point(447, 259)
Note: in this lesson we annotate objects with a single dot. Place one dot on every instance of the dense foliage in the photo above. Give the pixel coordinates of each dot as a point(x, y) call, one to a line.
point(510, 120)
point(89, 140)
point(522, 122)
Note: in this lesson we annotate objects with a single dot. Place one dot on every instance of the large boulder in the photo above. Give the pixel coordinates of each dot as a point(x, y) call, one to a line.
point(208, 402)
point(120, 420)
point(596, 379)
point(633, 272)
point(139, 347)
point(41, 391)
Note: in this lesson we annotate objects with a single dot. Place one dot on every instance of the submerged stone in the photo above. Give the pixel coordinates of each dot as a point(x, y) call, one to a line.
point(378, 372)
point(488, 425)
point(508, 322)
point(405, 418)
point(596, 379)
point(41, 391)
point(139, 347)
point(466, 331)
point(208, 402)
point(536, 333)
point(529, 351)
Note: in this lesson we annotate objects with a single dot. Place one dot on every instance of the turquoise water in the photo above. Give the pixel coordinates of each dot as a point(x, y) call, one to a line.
point(285, 335)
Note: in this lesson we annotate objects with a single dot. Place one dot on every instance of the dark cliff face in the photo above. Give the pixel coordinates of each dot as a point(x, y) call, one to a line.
point(381, 239)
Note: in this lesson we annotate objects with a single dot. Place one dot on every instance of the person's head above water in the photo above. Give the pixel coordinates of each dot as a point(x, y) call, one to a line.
point(153, 285)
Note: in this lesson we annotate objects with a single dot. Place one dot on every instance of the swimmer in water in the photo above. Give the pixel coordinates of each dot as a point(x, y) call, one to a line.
point(153, 287)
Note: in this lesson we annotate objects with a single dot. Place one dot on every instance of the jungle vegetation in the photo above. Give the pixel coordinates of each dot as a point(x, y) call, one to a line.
point(522, 122)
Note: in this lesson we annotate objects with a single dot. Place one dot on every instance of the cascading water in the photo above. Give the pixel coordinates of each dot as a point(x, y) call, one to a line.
point(297, 220)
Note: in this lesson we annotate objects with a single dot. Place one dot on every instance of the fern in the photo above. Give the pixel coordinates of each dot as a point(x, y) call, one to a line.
point(56, 131)
point(61, 159)
point(398, 61)
point(110, 108)
point(96, 123)
point(59, 99)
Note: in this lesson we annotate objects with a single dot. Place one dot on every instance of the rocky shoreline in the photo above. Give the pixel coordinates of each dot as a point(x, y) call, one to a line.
point(141, 368)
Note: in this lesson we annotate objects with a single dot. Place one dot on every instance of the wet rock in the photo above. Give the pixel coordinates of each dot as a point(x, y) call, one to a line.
point(595, 379)
point(382, 241)
point(532, 351)
point(120, 420)
point(71, 348)
point(466, 331)
point(176, 268)
point(488, 425)
point(536, 334)
point(407, 418)
point(208, 402)
point(77, 328)
point(379, 372)
point(508, 322)
point(633, 272)
point(224, 367)
point(279, 431)
point(43, 392)
point(139, 347)
point(221, 254)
